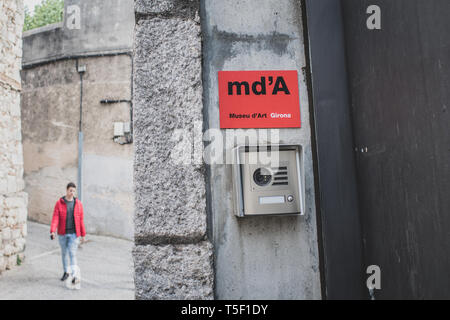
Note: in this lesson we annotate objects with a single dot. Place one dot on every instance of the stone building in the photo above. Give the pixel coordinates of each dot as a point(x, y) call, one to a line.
point(13, 199)
point(76, 81)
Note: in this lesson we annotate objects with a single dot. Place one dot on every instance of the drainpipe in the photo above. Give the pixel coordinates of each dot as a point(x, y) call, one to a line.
point(81, 70)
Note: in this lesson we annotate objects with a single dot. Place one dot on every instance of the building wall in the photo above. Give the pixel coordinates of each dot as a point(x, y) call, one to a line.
point(50, 124)
point(89, 27)
point(259, 257)
point(13, 201)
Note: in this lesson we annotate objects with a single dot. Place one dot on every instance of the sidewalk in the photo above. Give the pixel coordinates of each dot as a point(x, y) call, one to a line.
point(106, 267)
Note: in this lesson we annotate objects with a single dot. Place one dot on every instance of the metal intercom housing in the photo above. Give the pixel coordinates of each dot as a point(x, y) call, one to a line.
point(266, 189)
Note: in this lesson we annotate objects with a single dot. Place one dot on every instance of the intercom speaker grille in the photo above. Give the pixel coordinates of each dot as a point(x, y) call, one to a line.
point(280, 176)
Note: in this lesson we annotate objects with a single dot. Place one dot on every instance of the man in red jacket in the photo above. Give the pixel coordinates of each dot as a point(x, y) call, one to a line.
point(68, 220)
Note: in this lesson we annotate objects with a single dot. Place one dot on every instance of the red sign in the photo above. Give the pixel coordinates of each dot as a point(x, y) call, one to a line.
point(259, 99)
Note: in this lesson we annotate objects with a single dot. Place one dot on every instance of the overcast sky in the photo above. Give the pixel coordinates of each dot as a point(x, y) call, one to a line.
point(31, 3)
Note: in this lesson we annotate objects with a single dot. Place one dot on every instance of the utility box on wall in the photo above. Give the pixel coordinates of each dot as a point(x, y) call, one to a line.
point(268, 180)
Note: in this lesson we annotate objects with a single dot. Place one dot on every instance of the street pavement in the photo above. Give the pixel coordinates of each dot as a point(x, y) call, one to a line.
point(106, 269)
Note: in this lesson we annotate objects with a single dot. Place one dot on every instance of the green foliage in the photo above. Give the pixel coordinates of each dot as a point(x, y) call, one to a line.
point(19, 261)
point(48, 12)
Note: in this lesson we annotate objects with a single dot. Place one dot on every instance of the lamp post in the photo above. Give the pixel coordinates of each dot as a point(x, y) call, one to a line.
point(81, 70)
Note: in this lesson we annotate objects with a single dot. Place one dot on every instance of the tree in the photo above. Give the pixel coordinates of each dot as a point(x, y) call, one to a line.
point(49, 11)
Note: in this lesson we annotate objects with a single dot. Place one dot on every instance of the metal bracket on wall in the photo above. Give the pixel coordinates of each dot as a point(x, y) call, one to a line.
point(123, 131)
point(110, 101)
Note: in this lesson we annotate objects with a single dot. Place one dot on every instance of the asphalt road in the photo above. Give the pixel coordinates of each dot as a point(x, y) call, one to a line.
point(106, 267)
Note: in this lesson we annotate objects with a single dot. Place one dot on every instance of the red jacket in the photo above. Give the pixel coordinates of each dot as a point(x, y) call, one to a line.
point(59, 218)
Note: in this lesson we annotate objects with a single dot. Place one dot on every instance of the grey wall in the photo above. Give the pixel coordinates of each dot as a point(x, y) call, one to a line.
point(106, 27)
point(259, 257)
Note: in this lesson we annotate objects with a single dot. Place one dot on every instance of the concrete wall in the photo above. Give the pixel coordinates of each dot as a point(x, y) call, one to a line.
point(259, 257)
point(104, 27)
point(172, 255)
point(13, 201)
point(50, 121)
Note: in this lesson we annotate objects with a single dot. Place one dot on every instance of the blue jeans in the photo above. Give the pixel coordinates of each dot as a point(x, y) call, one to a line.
point(69, 245)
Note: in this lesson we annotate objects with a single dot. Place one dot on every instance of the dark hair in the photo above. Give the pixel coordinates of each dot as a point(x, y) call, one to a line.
point(71, 185)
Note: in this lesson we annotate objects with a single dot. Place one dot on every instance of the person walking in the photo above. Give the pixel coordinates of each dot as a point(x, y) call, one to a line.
point(68, 221)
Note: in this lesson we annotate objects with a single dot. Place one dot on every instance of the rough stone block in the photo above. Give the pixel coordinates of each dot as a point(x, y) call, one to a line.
point(11, 221)
point(15, 234)
point(3, 185)
point(15, 250)
point(170, 198)
point(15, 110)
point(24, 230)
point(6, 132)
point(7, 213)
point(11, 262)
point(14, 202)
point(8, 250)
point(6, 234)
point(2, 264)
point(180, 8)
point(174, 271)
point(20, 184)
point(19, 245)
point(24, 197)
point(21, 215)
point(12, 184)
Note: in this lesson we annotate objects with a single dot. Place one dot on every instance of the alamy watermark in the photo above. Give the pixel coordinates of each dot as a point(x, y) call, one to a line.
point(215, 146)
point(374, 280)
point(73, 17)
point(374, 20)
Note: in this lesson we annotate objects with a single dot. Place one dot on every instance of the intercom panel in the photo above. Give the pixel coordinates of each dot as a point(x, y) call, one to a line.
point(268, 180)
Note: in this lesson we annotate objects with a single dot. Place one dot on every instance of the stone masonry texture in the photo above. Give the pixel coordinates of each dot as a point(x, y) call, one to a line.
point(174, 271)
point(13, 201)
point(186, 8)
point(167, 97)
point(172, 254)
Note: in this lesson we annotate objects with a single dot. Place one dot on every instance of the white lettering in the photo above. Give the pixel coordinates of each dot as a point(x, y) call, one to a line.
point(73, 17)
point(264, 308)
point(198, 310)
point(280, 115)
point(374, 21)
point(374, 281)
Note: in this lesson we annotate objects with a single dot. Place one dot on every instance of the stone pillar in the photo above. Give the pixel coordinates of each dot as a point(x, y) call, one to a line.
point(13, 201)
point(172, 255)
